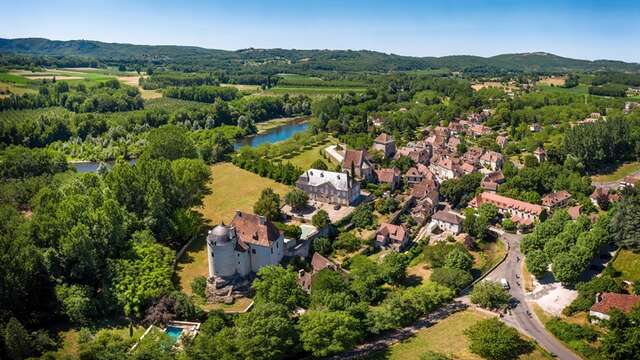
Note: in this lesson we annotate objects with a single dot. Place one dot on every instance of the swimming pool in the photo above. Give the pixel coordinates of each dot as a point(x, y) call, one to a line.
point(174, 332)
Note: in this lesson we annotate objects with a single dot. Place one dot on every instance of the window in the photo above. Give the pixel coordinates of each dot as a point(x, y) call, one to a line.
point(253, 251)
point(277, 244)
point(272, 250)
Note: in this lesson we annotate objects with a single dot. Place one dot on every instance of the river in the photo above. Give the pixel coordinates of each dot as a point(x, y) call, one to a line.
point(274, 135)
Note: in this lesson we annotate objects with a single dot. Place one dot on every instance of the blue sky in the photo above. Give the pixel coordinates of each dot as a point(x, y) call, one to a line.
point(581, 29)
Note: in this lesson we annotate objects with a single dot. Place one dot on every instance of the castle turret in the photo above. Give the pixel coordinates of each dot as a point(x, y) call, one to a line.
point(220, 246)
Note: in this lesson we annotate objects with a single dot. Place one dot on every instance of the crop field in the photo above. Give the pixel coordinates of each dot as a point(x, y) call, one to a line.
point(18, 115)
point(552, 80)
point(292, 80)
point(312, 91)
point(580, 89)
point(170, 104)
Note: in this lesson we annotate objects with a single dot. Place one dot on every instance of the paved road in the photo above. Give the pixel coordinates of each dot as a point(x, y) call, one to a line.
point(522, 316)
point(612, 184)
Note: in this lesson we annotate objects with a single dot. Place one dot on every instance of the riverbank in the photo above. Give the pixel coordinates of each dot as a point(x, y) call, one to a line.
point(269, 125)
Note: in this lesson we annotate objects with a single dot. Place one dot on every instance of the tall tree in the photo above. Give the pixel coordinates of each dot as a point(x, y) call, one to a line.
point(268, 205)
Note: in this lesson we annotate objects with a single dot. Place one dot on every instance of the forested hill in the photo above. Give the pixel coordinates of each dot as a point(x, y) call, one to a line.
point(82, 51)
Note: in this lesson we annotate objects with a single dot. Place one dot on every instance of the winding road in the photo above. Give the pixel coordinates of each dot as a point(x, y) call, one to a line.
point(520, 317)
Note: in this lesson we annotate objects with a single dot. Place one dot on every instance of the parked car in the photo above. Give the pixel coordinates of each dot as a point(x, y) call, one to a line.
point(505, 284)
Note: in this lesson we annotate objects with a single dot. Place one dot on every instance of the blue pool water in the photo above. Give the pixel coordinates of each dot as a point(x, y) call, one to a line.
point(174, 332)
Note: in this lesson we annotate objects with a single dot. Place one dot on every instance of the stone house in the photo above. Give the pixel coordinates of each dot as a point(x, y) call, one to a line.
point(447, 221)
point(492, 160)
point(357, 161)
point(329, 187)
point(391, 236)
point(390, 176)
point(385, 144)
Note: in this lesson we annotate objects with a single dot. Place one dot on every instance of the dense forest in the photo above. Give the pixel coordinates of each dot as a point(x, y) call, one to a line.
point(44, 52)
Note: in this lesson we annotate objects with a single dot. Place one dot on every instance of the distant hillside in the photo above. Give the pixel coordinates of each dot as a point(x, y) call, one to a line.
point(270, 60)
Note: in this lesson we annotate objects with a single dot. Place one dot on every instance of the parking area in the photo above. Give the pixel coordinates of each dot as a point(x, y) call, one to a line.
point(336, 213)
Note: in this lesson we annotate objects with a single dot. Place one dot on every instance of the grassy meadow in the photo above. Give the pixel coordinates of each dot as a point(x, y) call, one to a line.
point(232, 189)
point(446, 337)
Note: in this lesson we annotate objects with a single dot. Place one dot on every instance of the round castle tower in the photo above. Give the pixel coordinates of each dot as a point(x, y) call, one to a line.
point(221, 243)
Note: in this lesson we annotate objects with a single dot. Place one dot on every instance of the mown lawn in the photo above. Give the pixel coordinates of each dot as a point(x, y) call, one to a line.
point(447, 337)
point(306, 158)
point(628, 263)
point(232, 189)
point(623, 170)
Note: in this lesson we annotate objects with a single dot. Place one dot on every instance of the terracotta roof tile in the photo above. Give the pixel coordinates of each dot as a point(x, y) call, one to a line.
point(610, 301)
point(254, 229)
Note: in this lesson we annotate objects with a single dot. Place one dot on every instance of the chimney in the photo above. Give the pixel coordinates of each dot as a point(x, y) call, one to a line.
point(598, 297)
point(300, 273)
point(238, 213)
point(263, 220)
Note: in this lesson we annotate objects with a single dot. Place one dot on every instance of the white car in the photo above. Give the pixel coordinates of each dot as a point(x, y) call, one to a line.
point(505, 284)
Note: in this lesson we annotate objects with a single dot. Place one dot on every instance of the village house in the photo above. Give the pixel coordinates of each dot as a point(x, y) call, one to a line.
point(318, 263)
point(426, 198)
point(442, 133)
point(412, 176)
point(501, 140)
point(535, 127)
point(491, 181)
point(418, 152)
point(523, 213)
point(447, 221)
point(453, 144)
point(556, 199)
point(540, 154)
point(630, 181)
point(446, 169)
point(467, 168)
point(478, 130)
point(357, 161)
point(385, 144)
point(605, 302)
point(391, 236)
point(248, 244)
point(455, 128)
point(473, 155)
point(389, 176)
point(492, 160)
point(329, 187)
point(574, 212)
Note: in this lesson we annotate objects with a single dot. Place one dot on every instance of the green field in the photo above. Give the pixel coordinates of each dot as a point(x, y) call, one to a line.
point(619, 173)
point(312, 91)
point(17, 115)
point(306, 158)
point(446, 337)
point(628, 264)
point(232, 189)
point(581, 89)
